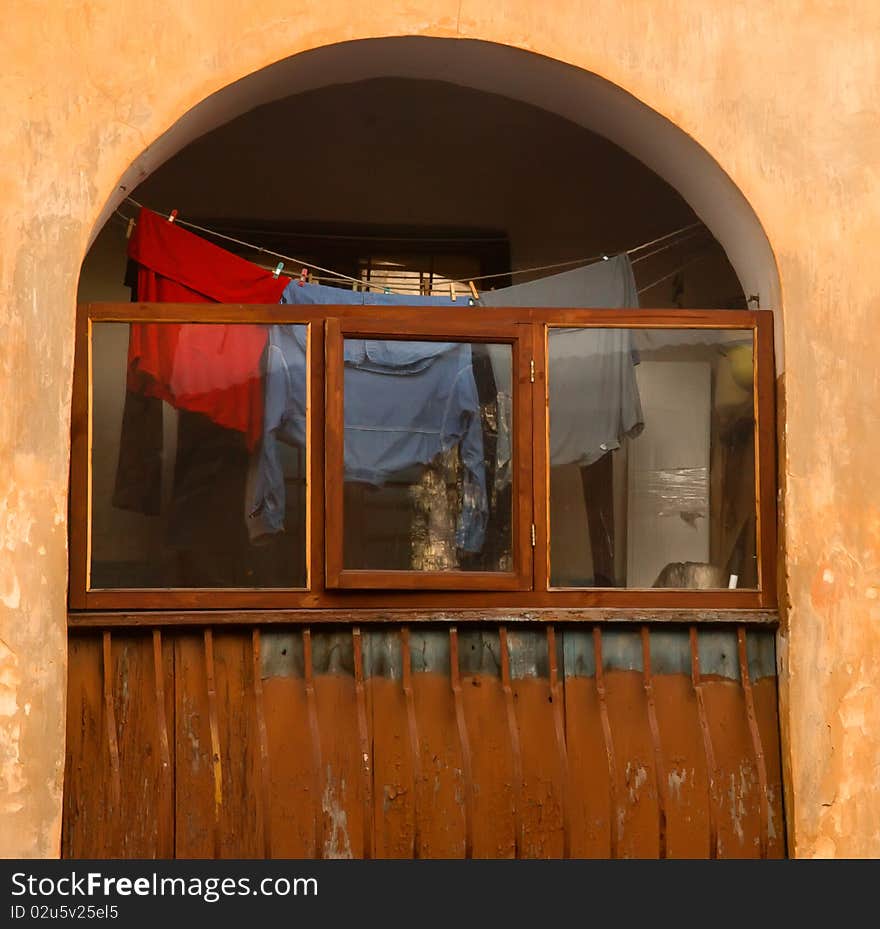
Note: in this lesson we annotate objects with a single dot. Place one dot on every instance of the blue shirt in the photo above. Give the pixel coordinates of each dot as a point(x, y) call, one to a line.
point(405, 403)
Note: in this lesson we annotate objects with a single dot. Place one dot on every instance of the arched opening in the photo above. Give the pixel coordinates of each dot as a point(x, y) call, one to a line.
point(493, 164)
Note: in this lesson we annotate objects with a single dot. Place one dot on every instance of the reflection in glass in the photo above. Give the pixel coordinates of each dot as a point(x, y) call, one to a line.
point(652, 458)
point(198, 456)
point(427, 456)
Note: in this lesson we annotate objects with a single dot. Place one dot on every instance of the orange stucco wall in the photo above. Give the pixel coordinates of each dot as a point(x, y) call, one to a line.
point(782, 94)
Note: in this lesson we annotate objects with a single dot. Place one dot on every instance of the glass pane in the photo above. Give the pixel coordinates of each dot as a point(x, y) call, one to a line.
point(652, 458)
point(198, 455)
point(428, 465)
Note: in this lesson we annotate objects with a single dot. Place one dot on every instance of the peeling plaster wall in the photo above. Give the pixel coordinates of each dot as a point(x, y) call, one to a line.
point(782, 94)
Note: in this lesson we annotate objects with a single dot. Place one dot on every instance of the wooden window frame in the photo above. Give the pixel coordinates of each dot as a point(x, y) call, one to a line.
point(452, 326)
point(322, 603)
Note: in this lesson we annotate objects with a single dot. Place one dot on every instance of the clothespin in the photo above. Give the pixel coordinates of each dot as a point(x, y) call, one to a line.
point(302, 276)
point(387, 290)
point(474, 293)
point(130, 228)
point(604, 258)
point(277, 270)
point(452, 291)
point(172, 216)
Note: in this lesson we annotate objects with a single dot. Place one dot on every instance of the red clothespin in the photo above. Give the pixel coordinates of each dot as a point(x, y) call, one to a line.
point(172, 216)
point(130, 228)
point(302, 276)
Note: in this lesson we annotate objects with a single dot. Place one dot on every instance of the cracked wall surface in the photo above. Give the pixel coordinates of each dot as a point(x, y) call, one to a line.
point(782, 94)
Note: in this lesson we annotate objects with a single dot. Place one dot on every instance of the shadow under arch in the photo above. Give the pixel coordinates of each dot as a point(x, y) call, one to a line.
point(572, 93)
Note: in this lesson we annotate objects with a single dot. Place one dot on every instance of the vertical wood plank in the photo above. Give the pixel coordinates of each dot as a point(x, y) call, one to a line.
point(557, 698)
point(263, 736)
point(314, 730)
point(294, 797)
point(87, 769)
point(464, 742)
point(110, 722)
point(214, 728)
point(413, 729)
point(660, 770)
point(343, 801)
point(614, 833)
point(366, 753)
point(542, 795)
point(589, 783)
point(755, 733)
point(516, 752)
point(685, 778)
point(166, 780)
point(708, 748)
point(441, 788)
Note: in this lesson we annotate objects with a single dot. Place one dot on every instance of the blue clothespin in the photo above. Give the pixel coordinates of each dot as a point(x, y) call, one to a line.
point(277, 270)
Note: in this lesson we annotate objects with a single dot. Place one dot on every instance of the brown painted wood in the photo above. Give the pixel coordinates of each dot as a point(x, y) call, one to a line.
point(453, 327)
point(87, 812)
point(464, 743)
point(110, 720)
point(372, 320)
point(394, 784)
point(558, 700)
point(615, 819)
point(141, 824)
point(263, 736)
point(541, 460)
point(442, 789)
point(195, 831)
point(294, 798)
point(315, 735)
point(163, 669)
point(637, 811)
point(767, 713)
point(214, 729)
point(739, 795)
point(241, 821)
point(711, 767)
point(764, 814)
point(345, 827)
point(671, 617)
point(654, 727)
point(525, 328)
point(589, 785)
point(415, 754)
point(663, 601)
point(366, 754)
point(515, 750)
point(595, 792)
point(315, 456)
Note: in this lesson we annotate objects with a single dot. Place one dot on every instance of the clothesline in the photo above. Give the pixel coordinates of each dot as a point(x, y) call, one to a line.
point(336, 276)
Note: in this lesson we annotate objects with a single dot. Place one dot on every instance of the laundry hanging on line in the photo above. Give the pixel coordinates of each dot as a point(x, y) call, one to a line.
point(191, 365)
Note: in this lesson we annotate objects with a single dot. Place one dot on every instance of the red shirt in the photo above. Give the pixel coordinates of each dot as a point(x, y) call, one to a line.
point(208, 368)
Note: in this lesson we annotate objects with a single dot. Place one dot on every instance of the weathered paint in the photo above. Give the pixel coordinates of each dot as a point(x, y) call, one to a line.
point(378, 792)
point(781, 94)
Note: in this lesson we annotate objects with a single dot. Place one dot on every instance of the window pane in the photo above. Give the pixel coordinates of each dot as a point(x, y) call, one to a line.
point(428, 465)
point(652, 458)
point(198, 455)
